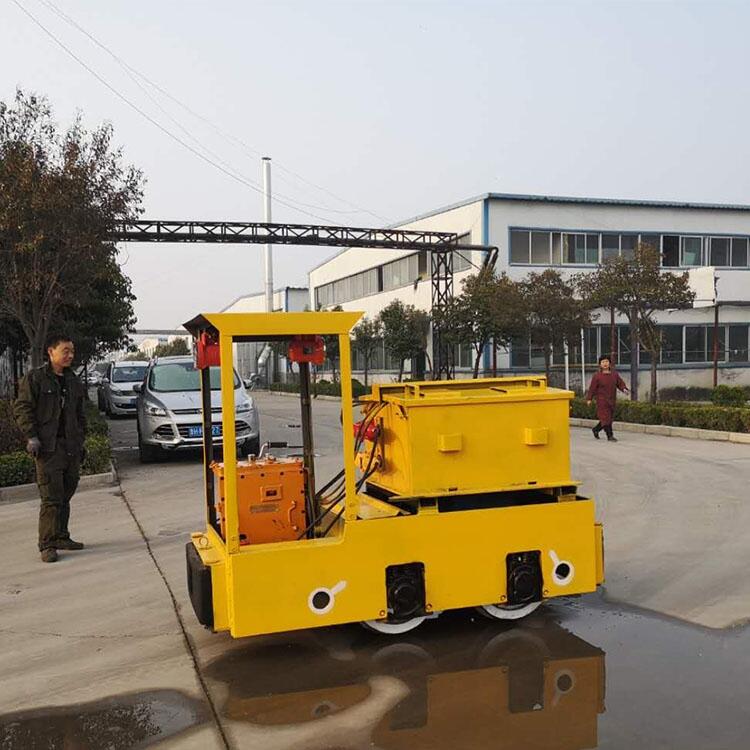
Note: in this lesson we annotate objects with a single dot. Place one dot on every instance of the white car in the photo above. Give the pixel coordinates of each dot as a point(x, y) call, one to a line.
point(170, 409)
point(117, 396)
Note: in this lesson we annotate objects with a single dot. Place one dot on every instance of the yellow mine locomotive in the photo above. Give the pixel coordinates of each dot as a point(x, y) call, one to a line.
point(452, 494)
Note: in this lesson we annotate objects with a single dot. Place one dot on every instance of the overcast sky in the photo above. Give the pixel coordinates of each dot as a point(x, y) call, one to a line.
point(394, 108)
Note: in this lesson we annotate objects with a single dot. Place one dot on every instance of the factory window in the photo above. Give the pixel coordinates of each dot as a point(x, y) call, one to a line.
point(719, 251)
point(519, 352)
point(652, 240)
point(463, 356)
point(400, 272)
point(695, 343)
point(537, 247)
point(556, 249)
point(692, 254)
point(540, 248)
point(738, 343)
point(610, 246)
point(580, 248)
point(739, 251)
point(670, 253)
point(519, 246)
point(671, 344)
point(628, 243)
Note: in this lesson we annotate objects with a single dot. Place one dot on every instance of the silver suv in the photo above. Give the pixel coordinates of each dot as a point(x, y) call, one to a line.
point(169, 410)
point(116, 391)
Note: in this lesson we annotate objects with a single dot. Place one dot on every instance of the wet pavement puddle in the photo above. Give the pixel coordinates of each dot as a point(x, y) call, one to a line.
point(129, 721)
point(581, 674)
point(576, 674)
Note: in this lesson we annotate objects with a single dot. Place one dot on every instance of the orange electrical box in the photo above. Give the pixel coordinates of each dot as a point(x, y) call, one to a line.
point(270, 499)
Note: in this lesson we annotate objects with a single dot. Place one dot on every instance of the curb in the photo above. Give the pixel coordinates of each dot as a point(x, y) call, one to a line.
point(296, 395)
point(31, 491)
point(691, 433)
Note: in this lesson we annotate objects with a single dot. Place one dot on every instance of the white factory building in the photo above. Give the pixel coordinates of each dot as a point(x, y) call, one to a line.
point(573, 235)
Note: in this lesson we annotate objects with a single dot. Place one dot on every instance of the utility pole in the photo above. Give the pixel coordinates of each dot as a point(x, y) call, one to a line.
point(268, 252)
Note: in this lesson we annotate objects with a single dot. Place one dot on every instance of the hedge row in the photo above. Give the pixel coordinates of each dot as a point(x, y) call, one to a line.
point(725, 419)
point(321, 388)
point(19, 468)
point(696, 393)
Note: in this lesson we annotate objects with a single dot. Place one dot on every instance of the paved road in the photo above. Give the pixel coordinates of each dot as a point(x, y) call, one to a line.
point(97, 653)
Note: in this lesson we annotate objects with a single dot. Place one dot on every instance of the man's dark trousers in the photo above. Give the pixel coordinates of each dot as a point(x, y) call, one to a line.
point(57, 475)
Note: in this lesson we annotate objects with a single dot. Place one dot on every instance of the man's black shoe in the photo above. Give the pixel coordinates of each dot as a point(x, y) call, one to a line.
point(67, 544)
point(49, 555)
point(596, 432)
point(612, 439)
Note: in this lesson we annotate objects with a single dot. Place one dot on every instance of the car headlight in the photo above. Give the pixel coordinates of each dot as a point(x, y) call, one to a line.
point(244, 408)
point(156, 411)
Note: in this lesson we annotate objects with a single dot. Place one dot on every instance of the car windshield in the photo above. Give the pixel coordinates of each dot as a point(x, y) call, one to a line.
point(130, 374)
point(183, 376)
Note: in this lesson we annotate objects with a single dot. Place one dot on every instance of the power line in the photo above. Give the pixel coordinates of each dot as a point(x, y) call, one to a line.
point(156, 123)
point(133, 73)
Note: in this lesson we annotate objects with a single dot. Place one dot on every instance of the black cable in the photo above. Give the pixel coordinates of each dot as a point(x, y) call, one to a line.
point(326, 486)
point(330, 525)
point(132, 72)
point(156, 123)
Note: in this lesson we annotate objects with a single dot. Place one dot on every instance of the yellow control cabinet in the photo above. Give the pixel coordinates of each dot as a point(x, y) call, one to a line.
point(471, 436)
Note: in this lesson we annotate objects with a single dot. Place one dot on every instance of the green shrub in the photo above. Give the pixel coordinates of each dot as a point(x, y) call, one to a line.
point(98, 455)
point(727, 395)
point(685, 393)
point(722, 418)
point(96, 424)
point(11, 438)
point(16, 468)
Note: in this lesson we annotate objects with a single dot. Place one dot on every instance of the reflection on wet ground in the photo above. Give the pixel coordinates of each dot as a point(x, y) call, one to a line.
point(135, 720)
point(461, 682)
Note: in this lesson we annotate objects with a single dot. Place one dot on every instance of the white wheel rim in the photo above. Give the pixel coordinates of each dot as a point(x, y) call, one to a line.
point(500, 612)
point(394, 628)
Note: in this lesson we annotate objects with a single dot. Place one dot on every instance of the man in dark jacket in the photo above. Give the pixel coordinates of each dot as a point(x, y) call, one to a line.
point(49, 411)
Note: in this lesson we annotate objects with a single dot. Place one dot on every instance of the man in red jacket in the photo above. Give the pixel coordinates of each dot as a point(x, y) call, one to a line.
point(603, 389)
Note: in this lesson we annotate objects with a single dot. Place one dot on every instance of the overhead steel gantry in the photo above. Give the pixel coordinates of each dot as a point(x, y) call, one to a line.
point(441, 245)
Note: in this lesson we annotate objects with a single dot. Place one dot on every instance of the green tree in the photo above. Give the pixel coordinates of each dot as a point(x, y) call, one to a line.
point(638, 288)
point(489, 308)
point(366, 338)
point(60, 197)
point(175, 348)
point(100, 323)
point(405, 332)
point(555, 315)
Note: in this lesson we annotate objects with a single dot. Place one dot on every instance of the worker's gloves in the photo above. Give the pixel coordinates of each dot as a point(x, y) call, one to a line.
point(34, 446)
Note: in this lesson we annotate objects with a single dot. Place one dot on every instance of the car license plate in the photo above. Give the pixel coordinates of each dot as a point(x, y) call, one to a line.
point(196, 432)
